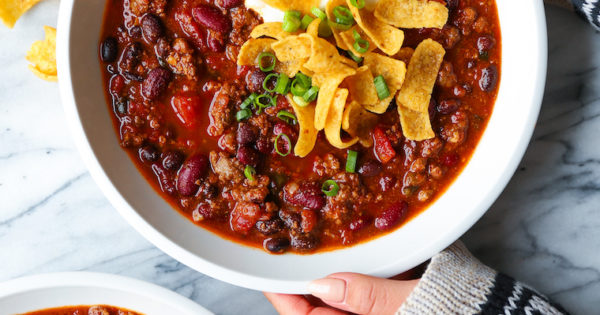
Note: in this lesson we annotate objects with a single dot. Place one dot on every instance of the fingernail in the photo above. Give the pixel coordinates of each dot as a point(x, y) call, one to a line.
point(328, 289)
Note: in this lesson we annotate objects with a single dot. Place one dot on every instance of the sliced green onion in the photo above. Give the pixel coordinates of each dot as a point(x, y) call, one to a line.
point(354, 57)
point(270, 59)
point(311, 94)
point(358, 3)
point(351, 161)
point(249, 172)
point(330, 188)
point(360, 45)
point(343, 15)
point(291, 21)
point(306, 20)
point(297, 88)
point(287, 116)
point(382, 89)
point(267, 79)
point(304, 79)
point(318, 13)
point(247, 102)
point(288, 144)
point(283, 84)
point(243, 114)
point(337, 26)
point(263, 101)
point(299, 100)
point(325, 29)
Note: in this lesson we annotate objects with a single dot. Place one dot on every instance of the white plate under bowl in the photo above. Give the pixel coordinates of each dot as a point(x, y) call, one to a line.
point(524, 56)
point(86, 288)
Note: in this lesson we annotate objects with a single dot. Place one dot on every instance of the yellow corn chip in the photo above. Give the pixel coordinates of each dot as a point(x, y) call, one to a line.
point(333, 125)
point(348, 38)
point(421, 75)
point(358, 122)
point(393, 72)
point(42, 55)
point(249, 52)
point(387, 38)
point(361, 86)
point(405, 54)
point(323, 54)
point(336, 33)
point(292, 48)
point(412, 13)
point(303, 6)
point(11, 10)
point(313, 28)
point(328, 84)
point(415, 125)
point(270, 29)
point(308, 134)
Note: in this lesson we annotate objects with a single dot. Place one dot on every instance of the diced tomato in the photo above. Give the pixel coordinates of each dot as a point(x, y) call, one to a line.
point(383, 147)
point(309, 220)
point(186, 108)
point(244, 216)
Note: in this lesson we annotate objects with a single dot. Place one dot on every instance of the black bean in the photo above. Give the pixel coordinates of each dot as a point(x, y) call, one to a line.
point(488, 79)
point(164, 179)
point(276, 245)
point(370, 168)
point(304, 242)
point(172, 160)
point(152, 28)
point(109, 50)
point(131, 57)
point(269, 227)
point(148, 154)
point(448, 106)
point(485, 43)
point(292, 220)
point(121, 105)
point(135, 32)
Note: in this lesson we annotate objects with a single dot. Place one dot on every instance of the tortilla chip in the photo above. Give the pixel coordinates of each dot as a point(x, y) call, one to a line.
point(323, 54)
point(358, 122)
point(412, 13)
point(303, 6)
point(313, 28)
point(415, 125)
point(336, 33)
point(421, 75)
point(387, 38)
point(392, 70)
point(11, 10)
point(253, 47)
point(348, 38)
point(333, 125)
point(362, 87)
point(404, 54)
point(292, 48)
point(308, 134)
point(42, 55)
point(270, 29)
point(328, 84)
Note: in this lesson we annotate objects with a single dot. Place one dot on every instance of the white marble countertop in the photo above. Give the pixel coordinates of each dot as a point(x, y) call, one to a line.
point(544, 229)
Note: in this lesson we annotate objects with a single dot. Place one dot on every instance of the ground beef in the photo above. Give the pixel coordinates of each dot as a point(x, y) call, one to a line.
point(243, 21)
point(327, 166)
point(228, 169)
point(252, 191)
point(351, 196)
point(180, 59)
point(140, 7)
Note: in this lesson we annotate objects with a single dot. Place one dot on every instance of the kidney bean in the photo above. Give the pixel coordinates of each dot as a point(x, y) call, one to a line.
point(172, 160)
point(360, 222)
point(448, 106)
point(281, 127)
point(206, 211)
point(191, 29)
point(152, 28)
point(156, 82)
point(248, 156)
point(192, 170)
point(270, 227)
point(228, 4)
point(135, 32)
point(306, 194)
point(304, 241)
point(109, 49)
point(370, 168)
point(386, 182)
point(276, 245)
point(488, 78)
point(245, 134)
point(391, 216)
point(148, 154)
point(164, 179)
point(485, 43)
point(254, 80)
point(215, 44)
point(263, 145)
point(212, 18)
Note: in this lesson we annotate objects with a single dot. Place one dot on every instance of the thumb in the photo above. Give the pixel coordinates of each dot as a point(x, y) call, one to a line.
point(362, 294)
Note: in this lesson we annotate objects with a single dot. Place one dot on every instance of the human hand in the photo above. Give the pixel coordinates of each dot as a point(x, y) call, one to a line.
point(340, 293)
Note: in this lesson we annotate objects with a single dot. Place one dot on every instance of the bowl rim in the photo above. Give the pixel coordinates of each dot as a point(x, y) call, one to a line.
point(258, 282)
point(97, 280)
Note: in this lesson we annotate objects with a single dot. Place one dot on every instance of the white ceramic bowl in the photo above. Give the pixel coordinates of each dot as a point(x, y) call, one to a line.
point(85, 288)
point(524, 55)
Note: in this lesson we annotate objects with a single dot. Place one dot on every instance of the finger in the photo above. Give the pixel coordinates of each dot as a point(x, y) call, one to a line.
point(362, 294)
point(286, 304)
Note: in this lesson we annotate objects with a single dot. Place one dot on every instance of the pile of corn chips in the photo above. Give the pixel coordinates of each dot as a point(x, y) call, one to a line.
point(348, 99)
point(11, 10)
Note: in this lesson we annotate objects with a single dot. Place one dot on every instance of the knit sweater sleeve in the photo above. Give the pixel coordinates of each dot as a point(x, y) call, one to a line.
point(455, 282)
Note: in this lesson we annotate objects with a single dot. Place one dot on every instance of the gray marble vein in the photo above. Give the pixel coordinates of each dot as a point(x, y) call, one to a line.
point(544, 229)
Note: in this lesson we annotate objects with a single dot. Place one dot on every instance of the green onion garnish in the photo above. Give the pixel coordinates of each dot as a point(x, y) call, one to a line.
point(265, 84)
point(288, 144)
point(247, 102)
point(299, 100)
point(360, 45)
point(243, 114)
point(297, 88)
point(337, 26)
point(268, 64)
point(325, 29)
point(304, 79)
point(354, 57)
point(263, 101)
point(318, 13)
point(306, 20)
point(287, 117)
point(343, 15)
point(358, 3)
point(351, 161)
point(283, 84)
point(249, 172)
point(382, 89)
point(291, 21)
point(311, 94)
point(330, 188)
